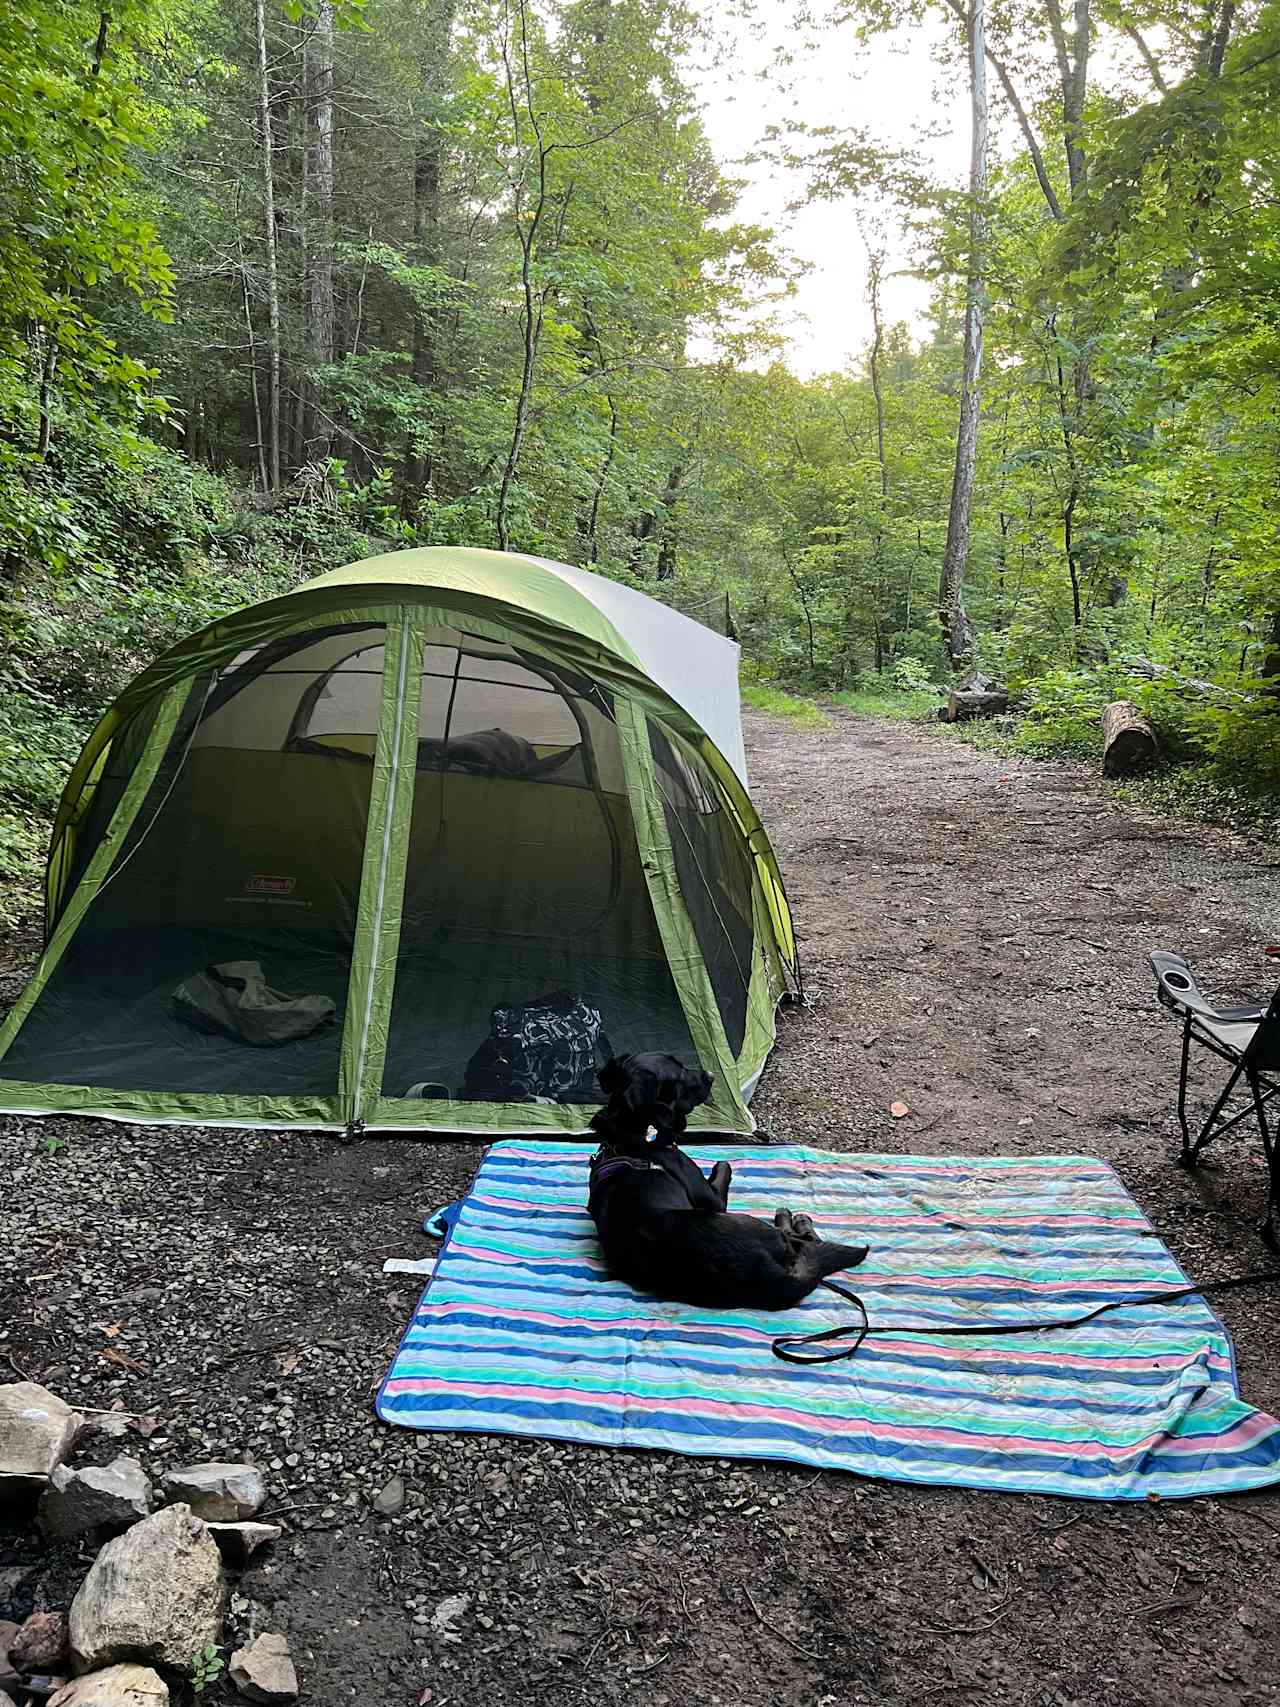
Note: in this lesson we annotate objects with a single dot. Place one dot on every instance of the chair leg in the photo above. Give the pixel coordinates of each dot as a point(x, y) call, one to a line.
point(1271, 1150)
point(1191, 1155)
point(1186, 1160)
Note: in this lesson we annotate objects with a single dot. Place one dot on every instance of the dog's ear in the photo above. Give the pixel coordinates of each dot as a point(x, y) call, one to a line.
point(692, 1089)
point(641, 1087)
point(613, 1075)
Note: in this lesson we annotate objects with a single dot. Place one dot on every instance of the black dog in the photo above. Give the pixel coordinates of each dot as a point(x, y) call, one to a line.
point(645, 1091)
point(665, 1228)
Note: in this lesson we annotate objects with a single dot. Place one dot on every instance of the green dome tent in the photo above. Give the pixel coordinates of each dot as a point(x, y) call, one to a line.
point(413, 797)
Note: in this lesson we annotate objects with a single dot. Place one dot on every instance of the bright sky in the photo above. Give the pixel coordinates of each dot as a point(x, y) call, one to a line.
point(892, 91)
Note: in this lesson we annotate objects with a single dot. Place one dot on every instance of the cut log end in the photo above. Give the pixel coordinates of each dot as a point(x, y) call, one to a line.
point(1129, 742)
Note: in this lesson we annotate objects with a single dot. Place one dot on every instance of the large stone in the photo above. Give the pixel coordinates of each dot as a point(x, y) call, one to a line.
point(237, 1542)
point(42, 1644)
point(263, 1671)
point(155, 1593)
point(108, 1497)
point(117, 1686)
point(37, 1430)
point(389, 1502)
point(6, 1700)
point(219, 1493)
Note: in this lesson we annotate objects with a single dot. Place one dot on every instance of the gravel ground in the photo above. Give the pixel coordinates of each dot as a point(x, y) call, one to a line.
point(974, 931)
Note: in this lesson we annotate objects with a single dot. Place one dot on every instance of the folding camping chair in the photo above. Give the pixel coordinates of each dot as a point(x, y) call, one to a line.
point(1248, 1040)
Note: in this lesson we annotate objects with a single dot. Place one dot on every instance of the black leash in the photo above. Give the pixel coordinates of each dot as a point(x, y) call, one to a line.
point(784, 1346)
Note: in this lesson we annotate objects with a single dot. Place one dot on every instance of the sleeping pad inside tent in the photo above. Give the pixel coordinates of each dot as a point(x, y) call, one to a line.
point(413, 846)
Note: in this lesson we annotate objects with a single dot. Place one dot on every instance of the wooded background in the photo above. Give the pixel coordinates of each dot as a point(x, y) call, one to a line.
point(281, 286)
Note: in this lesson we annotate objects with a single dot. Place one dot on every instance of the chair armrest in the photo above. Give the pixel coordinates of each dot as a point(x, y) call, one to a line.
point(1176, 985)
point(1177, 989)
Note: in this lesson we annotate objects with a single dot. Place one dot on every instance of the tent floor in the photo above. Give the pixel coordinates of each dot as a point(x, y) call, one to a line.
point(107, 1017)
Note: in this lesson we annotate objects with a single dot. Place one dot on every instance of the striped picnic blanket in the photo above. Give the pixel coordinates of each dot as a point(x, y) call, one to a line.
point(521, 1331)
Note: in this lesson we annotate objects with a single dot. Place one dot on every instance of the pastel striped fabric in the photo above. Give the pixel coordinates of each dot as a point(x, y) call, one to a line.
point(521, 1331)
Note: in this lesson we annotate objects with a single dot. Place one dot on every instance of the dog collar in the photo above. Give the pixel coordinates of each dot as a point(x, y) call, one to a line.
point(601, 1168)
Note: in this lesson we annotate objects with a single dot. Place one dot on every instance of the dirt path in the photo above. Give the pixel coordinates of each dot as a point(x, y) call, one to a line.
point(974, 933)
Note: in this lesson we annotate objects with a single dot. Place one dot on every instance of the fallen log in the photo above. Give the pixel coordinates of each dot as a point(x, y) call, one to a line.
point(1129, 742)
point(965, 703)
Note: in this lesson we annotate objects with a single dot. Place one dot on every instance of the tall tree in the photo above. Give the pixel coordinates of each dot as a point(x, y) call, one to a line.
point(267, 144)
point(319, 215)
point(956, 626)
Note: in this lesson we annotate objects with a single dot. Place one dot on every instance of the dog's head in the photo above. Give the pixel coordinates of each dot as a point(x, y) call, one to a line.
point(649, 1090)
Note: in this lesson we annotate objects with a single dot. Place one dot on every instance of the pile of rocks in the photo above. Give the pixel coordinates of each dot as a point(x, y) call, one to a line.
point(155, 1599)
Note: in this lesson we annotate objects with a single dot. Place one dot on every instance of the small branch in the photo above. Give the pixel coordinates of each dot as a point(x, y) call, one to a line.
point(643, 1671)
point(1053, 1528)
point(1020, 113)
point(1149, 59)
point(969, 1629)
point(790, 1640)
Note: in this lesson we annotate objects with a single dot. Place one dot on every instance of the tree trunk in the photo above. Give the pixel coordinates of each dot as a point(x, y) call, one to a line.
point(320, 331)
point(802, 595)
point(652, 523)
point(956, 627)
point(589, 525)
point(48, 367)
point(1270, 666)
point(531, 330)
point(528, 221)
point(428, 174)
point(1128, 740)
point(297, 432)
point(273, 287)
point(258, 445)
point(877, 349)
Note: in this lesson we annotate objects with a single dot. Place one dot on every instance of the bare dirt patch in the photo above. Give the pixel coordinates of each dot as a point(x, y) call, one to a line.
point(974, 932)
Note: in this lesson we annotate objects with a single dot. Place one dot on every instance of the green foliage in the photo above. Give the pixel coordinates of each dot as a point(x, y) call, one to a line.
point(73, 229)
point(126, 547)
point(911, 676)
point(904, 705)
point(762, 697)
point(206, 1668)
point(1203, 793)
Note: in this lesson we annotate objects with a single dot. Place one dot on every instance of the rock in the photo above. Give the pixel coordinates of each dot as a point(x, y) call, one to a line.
point(155, 1593)
point(445, 1618)
point(390, 1501)
point(6, 1700)
point(8, 1635)
point(237, 1542)
point(37, 1430)
point(114, 1428)
point(263, 1671)
point(117, 1686)
point(108, 1497)
point(42, 1644)
point(219, 1493)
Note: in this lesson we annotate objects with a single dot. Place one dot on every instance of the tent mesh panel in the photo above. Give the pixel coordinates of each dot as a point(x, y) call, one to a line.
point(242, 850)
point(524, 875)
point(715, 876)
